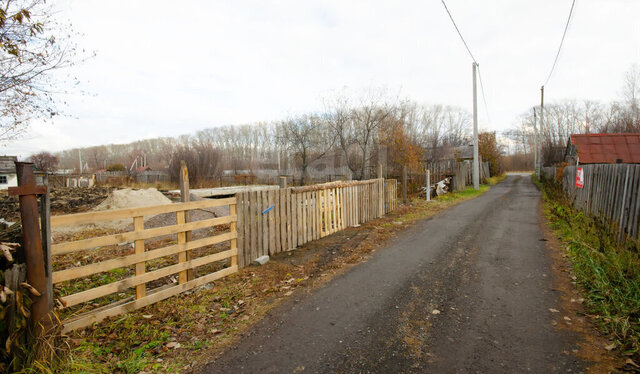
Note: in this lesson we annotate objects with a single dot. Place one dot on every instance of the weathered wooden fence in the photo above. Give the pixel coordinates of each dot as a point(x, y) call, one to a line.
point(611, 192)
point(461, 171)
point(274, 221)
point(107, 275)
point(96, 248)
point(548, 172)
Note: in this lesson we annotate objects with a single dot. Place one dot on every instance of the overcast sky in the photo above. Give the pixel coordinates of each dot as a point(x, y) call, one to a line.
point(169, 68)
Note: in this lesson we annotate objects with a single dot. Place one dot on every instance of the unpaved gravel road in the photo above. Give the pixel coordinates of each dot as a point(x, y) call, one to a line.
point(469, 291)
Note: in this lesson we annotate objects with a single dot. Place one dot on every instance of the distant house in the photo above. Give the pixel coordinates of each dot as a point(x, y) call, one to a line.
point(603, 149)
point(8, 177)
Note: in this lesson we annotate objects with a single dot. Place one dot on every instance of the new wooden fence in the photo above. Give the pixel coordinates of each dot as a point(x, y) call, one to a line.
point(611, 192)
point(96, 246)
point(273, 221)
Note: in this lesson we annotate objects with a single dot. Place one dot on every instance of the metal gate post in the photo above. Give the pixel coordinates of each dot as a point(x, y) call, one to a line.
point(32, 243)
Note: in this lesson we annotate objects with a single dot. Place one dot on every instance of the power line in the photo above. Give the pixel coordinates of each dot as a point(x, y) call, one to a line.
point(566, 27)
point(484, 99)
point(459, 33)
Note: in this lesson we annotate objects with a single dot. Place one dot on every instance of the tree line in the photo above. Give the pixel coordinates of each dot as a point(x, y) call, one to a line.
point(351, 134)
point(566, 117)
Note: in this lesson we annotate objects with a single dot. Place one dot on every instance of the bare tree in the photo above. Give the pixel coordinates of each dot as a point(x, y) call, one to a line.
point(30, 52)
point(308, 139)
point(44, 161)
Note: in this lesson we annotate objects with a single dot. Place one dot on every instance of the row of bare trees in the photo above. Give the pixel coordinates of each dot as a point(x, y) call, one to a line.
point(563, 118)
point(352, 135)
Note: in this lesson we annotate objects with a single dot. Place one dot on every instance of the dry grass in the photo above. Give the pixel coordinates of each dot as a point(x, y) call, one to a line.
point(183, 332)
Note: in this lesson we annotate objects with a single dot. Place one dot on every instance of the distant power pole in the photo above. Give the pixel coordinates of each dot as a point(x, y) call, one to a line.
point(476, 165)
point(535, 144)
point(541, 126)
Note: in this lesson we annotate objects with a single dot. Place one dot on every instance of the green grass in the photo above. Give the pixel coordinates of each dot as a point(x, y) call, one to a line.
point(469, 192)
point(607, 272)
point(492, 181)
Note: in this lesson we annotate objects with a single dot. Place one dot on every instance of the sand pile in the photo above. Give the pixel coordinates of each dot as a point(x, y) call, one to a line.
point(120, 199)
point(128, 198)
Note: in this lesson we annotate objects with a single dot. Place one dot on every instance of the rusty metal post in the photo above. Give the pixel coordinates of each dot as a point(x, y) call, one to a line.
point(32, 243)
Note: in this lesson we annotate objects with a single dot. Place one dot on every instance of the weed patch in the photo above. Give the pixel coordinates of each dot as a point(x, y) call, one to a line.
point(607, 272)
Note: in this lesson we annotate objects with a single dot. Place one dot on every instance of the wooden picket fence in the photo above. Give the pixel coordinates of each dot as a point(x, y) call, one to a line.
point(261, 222)
point(611, 192)
point(274, 221)
point(141, 256)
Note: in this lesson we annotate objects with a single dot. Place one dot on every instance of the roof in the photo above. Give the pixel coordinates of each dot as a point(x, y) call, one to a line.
point(607, 148)
point(7, 165)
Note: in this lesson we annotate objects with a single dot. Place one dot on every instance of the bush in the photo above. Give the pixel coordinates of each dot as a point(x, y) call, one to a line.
point(115, 167)
point(607, 271)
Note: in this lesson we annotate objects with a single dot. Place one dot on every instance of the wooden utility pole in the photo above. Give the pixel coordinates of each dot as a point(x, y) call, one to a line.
point(476, 163)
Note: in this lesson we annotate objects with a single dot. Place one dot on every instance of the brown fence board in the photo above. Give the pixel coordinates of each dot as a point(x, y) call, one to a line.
point(141, 277)
point(611, 192)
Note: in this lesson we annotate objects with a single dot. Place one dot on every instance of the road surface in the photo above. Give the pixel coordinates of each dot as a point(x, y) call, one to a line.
point(467, 291)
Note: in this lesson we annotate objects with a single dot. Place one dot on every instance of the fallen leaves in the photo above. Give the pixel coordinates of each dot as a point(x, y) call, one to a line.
point(30, 288)
point(632, 363)
point(174, 345)
point(6, 249)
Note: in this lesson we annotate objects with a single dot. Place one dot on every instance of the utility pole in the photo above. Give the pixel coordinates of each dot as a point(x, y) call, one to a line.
point(428, 179)
point(476, 165)
point(535, 144)
point(541, 125)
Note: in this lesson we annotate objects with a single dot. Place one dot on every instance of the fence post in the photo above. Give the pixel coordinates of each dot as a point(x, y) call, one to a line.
point(283, 182)
point(404, 184)
point(428, 180)
point(185, 198)
point(380, 186)
point(622, 206)
point(45, 215)
point(32, 244)
point(138, 225)
point(233, 244)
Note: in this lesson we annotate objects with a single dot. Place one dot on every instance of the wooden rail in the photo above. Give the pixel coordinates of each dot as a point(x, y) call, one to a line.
point(141, 255)
point(274, 221)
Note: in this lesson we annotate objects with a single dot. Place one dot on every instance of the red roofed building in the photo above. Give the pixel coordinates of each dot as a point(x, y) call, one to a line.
point(604, 148)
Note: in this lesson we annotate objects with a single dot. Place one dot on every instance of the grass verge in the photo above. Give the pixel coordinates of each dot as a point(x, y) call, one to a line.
point(607, 272)
point(182, 333)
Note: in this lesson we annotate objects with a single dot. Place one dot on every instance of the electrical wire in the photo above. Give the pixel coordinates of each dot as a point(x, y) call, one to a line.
point(484, 99)
point(459, 33)
point(566, 27)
